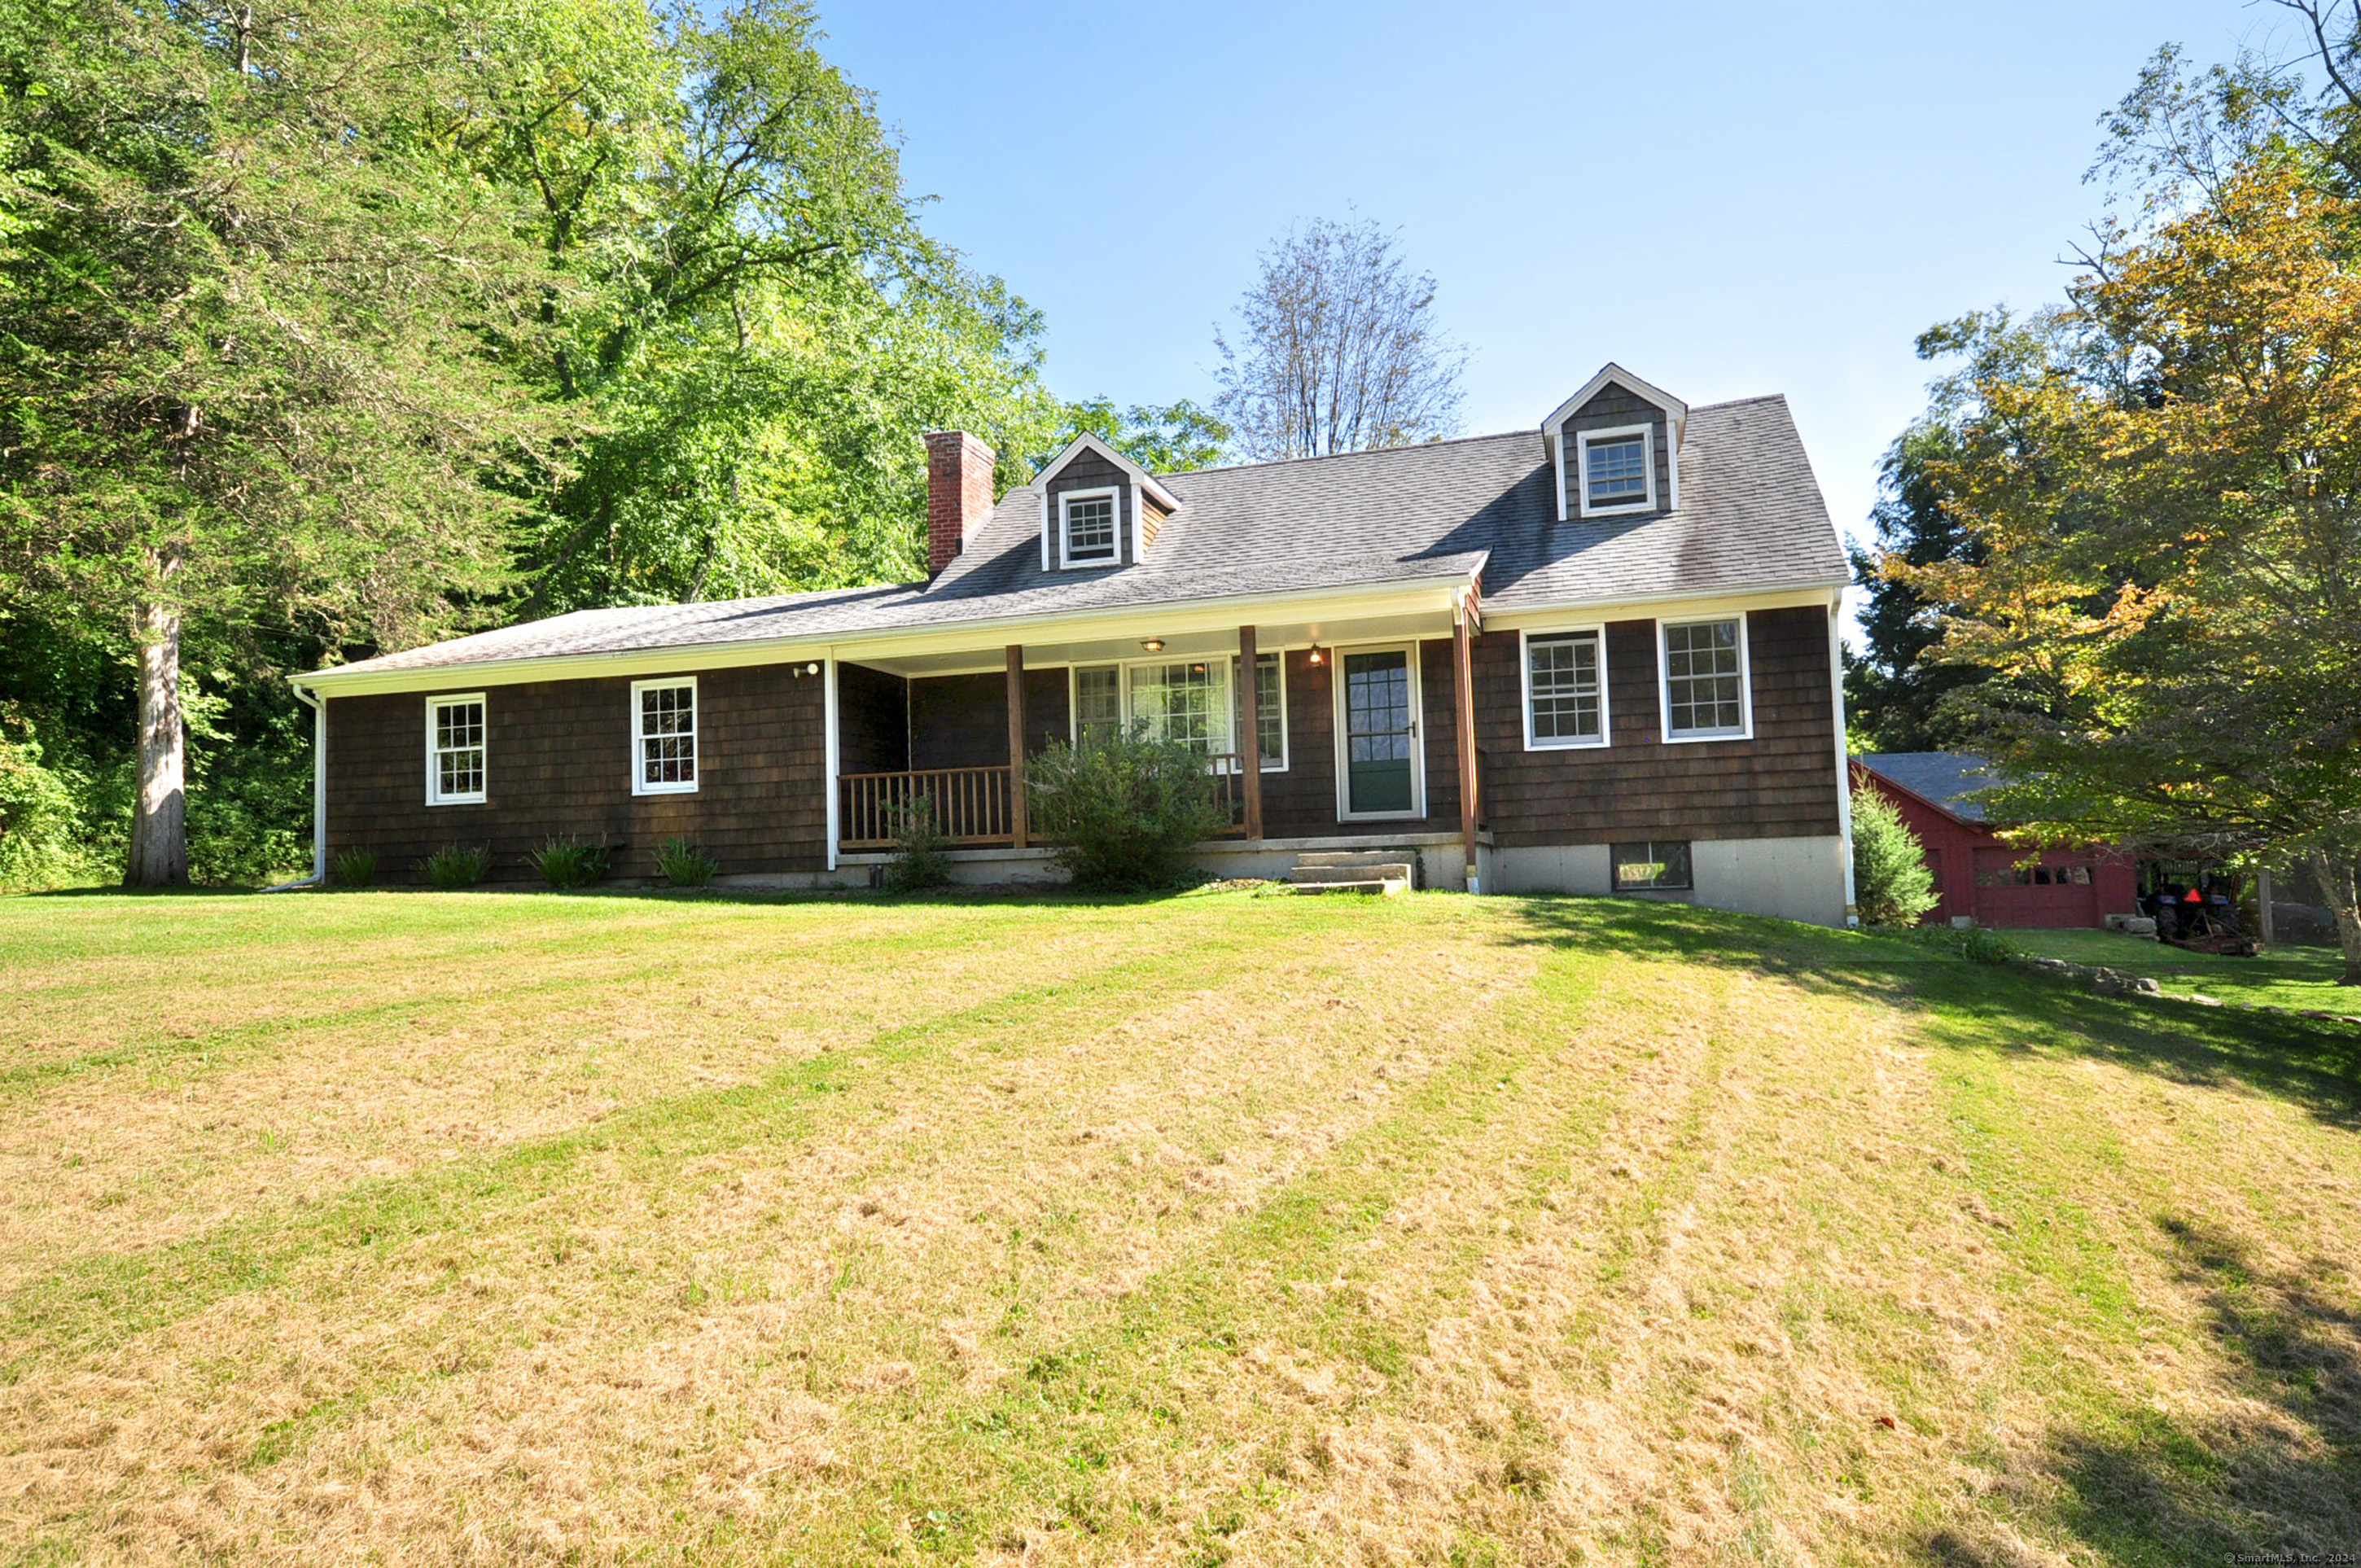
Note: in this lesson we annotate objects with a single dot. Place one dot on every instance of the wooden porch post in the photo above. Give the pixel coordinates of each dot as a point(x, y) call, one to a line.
point(1250, 744)
point(1016, 745)
point(1463, 672)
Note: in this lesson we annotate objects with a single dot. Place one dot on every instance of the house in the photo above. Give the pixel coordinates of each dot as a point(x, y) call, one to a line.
point(1595, 656)
point(1977, 874)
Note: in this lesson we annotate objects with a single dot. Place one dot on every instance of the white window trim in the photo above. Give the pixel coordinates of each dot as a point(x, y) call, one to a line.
point(1123, 668)
point(1745, 683)
point(696, 739)
point(1582, 443)
point(1285, 734)
point(1418, 734)
point(434, 795)
point(1113, 494)
point(1525, 636)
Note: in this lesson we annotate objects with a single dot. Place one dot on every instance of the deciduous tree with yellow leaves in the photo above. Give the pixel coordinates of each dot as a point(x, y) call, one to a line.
point(2163, 480)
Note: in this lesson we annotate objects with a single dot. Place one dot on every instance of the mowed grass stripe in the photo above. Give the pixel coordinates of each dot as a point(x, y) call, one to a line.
point(108, 1298)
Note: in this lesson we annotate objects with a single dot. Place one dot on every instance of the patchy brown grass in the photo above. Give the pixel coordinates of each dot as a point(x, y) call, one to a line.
point(405, 1227)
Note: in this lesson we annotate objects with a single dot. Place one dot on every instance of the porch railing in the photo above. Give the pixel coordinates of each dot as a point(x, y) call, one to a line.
point(970, 806)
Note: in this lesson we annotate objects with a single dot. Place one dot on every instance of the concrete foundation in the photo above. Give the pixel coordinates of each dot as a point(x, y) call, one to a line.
point(1793, 879)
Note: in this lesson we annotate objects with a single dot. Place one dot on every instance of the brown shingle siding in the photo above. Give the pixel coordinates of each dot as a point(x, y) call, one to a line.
point(557, 762)
point(1781, 783)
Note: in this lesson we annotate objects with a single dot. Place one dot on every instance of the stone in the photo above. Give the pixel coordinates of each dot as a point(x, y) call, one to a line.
point(2148, 987)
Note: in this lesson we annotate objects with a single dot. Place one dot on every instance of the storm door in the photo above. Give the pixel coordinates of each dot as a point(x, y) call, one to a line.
point(1378, 734)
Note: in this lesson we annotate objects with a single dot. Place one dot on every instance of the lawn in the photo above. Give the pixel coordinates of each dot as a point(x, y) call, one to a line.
point(2283, 976)
point(1215, 1228)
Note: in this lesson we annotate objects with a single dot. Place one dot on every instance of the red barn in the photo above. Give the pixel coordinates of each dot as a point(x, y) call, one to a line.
point(1975, 872)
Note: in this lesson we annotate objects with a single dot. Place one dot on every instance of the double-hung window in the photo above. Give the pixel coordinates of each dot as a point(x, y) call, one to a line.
point(1098, 704)
point(1705, 680)
point(1566, 689)
point(663, 736)
point(455, 750)
point(1186, 701)
point(1617, 470)
point(1270, 711)
point(1086, 528)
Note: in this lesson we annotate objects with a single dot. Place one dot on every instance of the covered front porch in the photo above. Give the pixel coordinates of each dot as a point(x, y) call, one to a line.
point(1315, 731)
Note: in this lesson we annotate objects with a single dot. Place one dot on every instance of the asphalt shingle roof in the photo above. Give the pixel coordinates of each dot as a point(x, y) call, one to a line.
point(1951, 779)
point(1750, 516)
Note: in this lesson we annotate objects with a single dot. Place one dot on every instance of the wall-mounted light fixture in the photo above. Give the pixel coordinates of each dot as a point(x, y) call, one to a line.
point(1153, 644)
point(1316, 655)
point(812, 669)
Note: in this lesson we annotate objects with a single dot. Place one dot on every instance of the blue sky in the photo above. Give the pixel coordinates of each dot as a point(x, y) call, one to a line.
point(1729, 199)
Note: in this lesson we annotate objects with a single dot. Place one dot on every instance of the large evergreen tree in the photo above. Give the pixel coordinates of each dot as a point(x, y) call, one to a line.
point(252, 327)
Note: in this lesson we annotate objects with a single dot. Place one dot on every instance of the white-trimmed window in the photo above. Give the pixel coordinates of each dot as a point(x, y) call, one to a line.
point(1184, 700)
point(455, 750)
point(1653, 863)
point(663, 736)
point(1270, 710)
point(1705, 680)
point(1098, 704)
point(1566, 689)
point(1087, 527)
point(1616, 470)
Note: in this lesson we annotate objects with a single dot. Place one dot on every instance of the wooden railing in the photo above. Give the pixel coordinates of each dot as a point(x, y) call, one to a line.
point(1229, 769)
point(970, 806)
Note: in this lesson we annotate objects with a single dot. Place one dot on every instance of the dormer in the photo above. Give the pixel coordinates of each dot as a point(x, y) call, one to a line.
point(1615, 447)
point(1099, 508)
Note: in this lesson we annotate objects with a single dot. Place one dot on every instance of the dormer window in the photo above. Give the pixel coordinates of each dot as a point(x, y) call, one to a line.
point(1086, 528)
point(1617, 471)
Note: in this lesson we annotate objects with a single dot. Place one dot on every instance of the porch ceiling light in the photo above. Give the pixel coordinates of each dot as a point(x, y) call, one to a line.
point(1153, 644)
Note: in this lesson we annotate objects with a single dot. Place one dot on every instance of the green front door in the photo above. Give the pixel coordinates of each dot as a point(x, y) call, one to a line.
point(1380, 733)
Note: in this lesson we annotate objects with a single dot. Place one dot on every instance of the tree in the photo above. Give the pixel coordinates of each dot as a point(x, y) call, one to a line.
point(1340, 351)
point(252, 329)
point(1894, 695)
point(1892, 883)
point(1170, 440)
point(2165, 504)
point(750, 327)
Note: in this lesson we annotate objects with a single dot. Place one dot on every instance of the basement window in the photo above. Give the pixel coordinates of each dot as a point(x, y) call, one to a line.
point(663, 736)
point(455, 750)
point(1653, 863)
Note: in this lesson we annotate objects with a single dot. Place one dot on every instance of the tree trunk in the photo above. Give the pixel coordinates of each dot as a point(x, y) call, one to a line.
point(2340, 887)
point(160, 816)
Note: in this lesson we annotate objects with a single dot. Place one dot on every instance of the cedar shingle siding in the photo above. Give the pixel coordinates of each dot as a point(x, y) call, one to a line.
point(1614, 409)
point(1089, 471)
point(557, 762)
point(1781, 783)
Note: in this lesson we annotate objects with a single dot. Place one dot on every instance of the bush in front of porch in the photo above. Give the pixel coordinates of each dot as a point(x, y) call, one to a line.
point(1124, 812)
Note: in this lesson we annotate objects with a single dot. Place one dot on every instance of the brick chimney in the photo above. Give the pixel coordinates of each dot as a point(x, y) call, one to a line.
point(959, 494)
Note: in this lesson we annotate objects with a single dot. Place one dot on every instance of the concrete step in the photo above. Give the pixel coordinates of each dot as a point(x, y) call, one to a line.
point(1349, 858)
point(1378, 887)
point(1361, 870)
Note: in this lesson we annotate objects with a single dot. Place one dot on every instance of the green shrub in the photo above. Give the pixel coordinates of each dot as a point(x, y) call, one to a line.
point(1977, 944)
point(921, 858)
point(457, 865)
point(37, 815)
point(569, 863)
point(354, 868)
point(685, 865)
point(1892, 883)
point(1126, 811)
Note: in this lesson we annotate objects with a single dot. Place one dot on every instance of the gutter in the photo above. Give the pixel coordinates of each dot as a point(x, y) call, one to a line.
point(319, 877)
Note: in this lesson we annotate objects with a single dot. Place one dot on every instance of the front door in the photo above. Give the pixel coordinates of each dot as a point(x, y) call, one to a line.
point(1380, 734)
